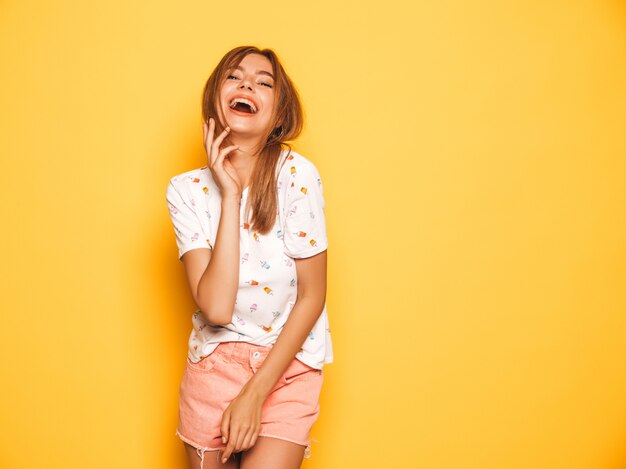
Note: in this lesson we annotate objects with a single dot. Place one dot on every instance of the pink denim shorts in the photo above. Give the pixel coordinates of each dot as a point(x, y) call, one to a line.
point(208, 387)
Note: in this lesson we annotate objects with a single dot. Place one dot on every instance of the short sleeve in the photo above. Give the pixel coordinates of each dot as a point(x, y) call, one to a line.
point(189, 234)
point(305, 221)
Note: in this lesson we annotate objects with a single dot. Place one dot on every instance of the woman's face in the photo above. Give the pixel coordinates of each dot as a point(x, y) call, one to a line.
point(247, 96)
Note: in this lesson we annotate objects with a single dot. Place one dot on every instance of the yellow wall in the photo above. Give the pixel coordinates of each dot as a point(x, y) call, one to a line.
point(473, 157)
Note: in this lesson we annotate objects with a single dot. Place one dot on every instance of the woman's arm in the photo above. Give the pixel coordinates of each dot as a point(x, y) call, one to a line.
point(305, 313)
point(213, 276)
point(305, 198)
point(241, 421)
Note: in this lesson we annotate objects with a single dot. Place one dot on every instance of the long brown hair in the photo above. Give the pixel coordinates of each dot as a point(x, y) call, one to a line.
point(286, 124)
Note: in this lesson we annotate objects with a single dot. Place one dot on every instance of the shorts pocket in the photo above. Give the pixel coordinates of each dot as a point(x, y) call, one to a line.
point(299, 370)
point(207, 364)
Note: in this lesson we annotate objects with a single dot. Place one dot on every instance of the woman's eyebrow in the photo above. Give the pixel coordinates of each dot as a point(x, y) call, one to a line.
point(258, 72)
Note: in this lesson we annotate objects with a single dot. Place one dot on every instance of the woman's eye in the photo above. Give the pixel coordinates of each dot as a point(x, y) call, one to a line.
point(234, 77)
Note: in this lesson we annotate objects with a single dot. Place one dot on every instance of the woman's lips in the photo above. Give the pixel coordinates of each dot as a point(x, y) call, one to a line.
point(239, 113)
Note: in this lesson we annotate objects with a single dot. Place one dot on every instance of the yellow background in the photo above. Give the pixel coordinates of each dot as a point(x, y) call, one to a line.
point(473, 160)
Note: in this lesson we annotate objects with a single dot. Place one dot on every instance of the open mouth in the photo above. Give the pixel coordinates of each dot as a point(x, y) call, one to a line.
point(243, 105)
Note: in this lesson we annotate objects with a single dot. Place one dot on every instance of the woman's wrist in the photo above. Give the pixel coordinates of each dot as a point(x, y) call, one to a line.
point(231, 200)
point(258, 385)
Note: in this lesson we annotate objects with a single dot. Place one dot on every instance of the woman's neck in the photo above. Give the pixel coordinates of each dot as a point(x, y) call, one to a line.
point(243, 158)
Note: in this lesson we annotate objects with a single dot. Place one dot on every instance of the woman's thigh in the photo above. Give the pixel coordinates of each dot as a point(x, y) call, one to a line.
point(211, 459)
point(274, 453)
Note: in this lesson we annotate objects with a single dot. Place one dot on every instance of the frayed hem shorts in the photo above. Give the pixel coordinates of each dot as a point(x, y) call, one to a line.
point(208, 387)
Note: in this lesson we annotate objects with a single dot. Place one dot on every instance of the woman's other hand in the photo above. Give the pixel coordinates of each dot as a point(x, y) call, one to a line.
point(241, 422)
point(221, 168)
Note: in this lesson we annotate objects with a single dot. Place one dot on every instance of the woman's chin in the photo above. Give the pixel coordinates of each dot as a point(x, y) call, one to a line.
point(244, 129)
point(244, 132)
point(243, 122)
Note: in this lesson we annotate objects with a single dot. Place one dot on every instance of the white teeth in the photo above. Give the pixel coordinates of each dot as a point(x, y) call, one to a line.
point(234, 102)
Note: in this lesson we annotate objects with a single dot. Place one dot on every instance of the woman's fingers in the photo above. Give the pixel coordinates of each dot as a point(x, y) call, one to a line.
point(224, 427)
point(255, 436)
point(215, 147)
point(228, 434)
point(212, 146)
point(232, 186)
point(208, 137)
point(245, 442)
point(230, 446)
point(241, 436)
point(250, 439)
point(219, 161)
point(225, 175)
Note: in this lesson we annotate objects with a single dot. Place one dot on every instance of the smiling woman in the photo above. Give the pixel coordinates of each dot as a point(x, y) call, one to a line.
point(251, 233)
point(247, 102)
point(249, 75)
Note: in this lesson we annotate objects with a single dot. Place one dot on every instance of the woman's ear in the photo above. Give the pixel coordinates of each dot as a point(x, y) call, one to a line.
point(278, 132)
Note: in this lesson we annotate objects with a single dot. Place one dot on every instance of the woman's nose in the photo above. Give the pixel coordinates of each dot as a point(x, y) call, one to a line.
point(245, 84)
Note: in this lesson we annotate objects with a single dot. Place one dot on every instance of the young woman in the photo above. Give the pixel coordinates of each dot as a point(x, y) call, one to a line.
point(251, 233)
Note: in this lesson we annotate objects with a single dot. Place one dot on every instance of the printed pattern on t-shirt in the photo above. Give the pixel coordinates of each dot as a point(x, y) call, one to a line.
point(267, 275)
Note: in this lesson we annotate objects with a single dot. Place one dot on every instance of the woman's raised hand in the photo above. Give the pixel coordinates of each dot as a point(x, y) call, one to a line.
point(222, 169)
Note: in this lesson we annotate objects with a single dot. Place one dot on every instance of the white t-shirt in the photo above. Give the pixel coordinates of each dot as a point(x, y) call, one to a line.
point(267, 272)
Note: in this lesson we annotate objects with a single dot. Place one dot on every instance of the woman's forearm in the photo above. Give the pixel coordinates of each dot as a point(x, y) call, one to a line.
point(301, 320)
point(217, 288)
